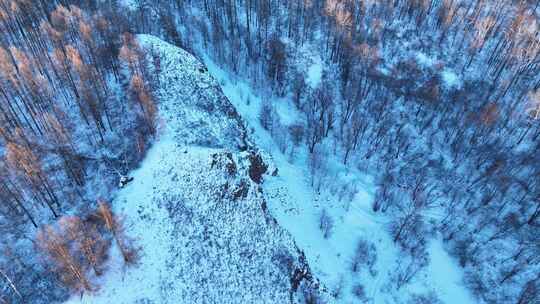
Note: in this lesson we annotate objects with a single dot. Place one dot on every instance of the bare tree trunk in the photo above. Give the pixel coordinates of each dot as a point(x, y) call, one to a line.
point(11, 284)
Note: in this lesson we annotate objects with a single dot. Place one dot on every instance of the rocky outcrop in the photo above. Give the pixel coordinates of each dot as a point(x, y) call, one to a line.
point(199, 189)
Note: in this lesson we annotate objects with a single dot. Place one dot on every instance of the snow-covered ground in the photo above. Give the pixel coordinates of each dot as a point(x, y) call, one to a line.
point(201, 244)
point(129, 4)
point(449, 77)
point(193, 209)
point(297, 207)
point(314, 73)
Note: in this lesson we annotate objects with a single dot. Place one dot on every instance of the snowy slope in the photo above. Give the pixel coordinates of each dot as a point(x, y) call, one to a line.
point(297, 207)
point(194, 206)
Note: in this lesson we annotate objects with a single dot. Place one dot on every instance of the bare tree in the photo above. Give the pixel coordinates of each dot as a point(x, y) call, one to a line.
point(87, 240)
point(65, 264)
point(326, 223)
point(11, 284)
point(115, 226)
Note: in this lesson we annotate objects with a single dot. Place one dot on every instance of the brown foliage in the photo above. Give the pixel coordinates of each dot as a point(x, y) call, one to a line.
point(23, 159)
point(86, 31)
point(87, 240)
point(60, 18)
point(145, 99)
point(7, 69)
point(340, 12)
point(59, 134)
point(64, 262)
point(489, 114)
point(52, 33)
point(114, 224)
point(75, 58)
point(130, 53)
point(74, 247)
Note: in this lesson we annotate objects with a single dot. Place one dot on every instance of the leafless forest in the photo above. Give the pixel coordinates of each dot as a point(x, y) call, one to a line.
point(77, 112)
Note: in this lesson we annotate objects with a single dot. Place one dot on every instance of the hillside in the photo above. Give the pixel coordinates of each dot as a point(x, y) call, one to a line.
point(352, 234)
point(269, 151)
point(194, 208)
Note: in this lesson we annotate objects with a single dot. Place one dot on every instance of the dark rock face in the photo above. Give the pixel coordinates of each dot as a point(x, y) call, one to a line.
point(257, 167)
point(241, 190)
point(303, 281)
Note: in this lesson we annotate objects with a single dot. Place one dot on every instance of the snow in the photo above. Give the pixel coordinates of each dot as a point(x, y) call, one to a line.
point(152, 227)
point(129, 4)
point(450, 78)
point(297, 206)
point(423, 59)
point(314, 74)
point(446, 275)
point(172, 210)
point(200, 242)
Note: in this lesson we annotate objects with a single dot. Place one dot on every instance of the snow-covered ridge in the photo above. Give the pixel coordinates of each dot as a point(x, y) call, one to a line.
point(191, 101)
point(195, 205)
